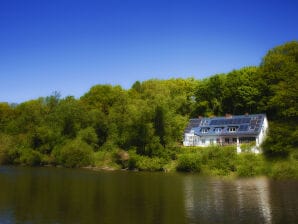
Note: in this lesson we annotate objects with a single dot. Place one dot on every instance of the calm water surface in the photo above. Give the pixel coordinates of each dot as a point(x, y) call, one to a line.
point(52, 195)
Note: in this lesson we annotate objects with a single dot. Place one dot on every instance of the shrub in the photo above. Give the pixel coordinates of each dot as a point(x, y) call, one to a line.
point(220, 159)
point(249, 164)
point(75, 153)
point(190, 162)
point(30, 157)
point(9, 151)
point(89, 136)
point(281, 140)
point(246, 147)
point(145, 163)
point(106, 160)
point(5, 146)
point(284, 170)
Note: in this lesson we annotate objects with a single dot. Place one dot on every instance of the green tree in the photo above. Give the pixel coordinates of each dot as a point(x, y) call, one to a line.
point(278, 77)
point(75, 153)
point(159, 125)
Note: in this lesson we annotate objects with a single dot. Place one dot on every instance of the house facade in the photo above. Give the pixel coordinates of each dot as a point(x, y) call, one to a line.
point(228, 130)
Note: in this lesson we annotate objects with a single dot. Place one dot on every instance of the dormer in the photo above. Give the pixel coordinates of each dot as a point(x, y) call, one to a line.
point(218, 129)
point(204, 130)
point(232, 129)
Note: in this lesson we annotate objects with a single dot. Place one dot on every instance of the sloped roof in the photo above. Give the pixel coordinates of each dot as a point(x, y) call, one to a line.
point(223, 126)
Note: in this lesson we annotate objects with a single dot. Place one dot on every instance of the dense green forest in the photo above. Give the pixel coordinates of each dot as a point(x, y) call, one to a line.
point(142, 127)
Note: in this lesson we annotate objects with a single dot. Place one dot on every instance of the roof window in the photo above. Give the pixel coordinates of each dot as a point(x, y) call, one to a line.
point(204, 130)
point(232, 129)
point(217, 129)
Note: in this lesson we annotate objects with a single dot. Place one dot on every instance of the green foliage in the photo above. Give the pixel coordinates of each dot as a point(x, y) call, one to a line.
point(107, 160)
point(159, 125)
point(220, 160)
point(75, 153)
point(282, 140)
point(278, 81)
point(284, 169)
point(208, 160)
point(249, 164)
point(6, 145)
point(144, 163)
point(30, 157)
point(89, 136)
point(247, 147)
point(189, 162)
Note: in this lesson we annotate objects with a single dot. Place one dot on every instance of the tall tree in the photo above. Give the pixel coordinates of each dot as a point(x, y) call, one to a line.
point(278, 82)
point(159, 125)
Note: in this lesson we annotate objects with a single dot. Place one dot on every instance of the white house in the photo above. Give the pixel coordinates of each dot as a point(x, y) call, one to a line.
point(227, 130)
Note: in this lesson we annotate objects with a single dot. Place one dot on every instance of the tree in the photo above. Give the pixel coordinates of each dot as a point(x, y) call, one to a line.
point(240, 94)
point(159, 125)
point(278, 77)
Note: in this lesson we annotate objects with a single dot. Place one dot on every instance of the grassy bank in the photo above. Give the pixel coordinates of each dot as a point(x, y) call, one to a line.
point(219, 161)
point(207, 161)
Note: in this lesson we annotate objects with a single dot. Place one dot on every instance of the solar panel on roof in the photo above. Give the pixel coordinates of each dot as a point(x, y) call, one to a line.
point(252, 127)
point(212, 122)
point(246, 120)
point(230, 121)
point(254, 122)
point(243, 127)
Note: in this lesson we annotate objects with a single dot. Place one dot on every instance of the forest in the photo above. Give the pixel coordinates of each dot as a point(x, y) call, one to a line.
point(141, 128)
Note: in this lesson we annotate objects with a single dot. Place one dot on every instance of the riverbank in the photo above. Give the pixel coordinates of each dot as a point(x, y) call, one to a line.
point(205, 161)
point(208, 161)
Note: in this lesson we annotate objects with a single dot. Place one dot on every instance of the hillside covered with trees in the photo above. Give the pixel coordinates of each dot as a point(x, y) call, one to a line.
point(142, 127)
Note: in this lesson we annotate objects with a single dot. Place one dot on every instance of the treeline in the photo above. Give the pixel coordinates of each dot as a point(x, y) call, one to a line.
point(111, 125)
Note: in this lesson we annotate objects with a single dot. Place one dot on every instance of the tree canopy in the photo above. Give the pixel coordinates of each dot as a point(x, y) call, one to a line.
point(150, 117)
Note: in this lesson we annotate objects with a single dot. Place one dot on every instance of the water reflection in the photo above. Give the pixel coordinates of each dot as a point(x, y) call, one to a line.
point(48, 195)
point(237, 201)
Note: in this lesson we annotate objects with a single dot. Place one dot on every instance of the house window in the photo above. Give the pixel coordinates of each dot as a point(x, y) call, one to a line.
point(217, 130)
point(227, 140)
point(203, 141)
point(204, 130)
point(211, 141)
point(232, 129)
point(196, 139)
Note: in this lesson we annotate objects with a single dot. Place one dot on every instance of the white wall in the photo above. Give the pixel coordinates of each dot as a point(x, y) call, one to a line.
point(263, 132)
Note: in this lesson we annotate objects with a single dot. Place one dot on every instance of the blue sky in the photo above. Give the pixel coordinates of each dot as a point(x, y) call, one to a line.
point(71, 45)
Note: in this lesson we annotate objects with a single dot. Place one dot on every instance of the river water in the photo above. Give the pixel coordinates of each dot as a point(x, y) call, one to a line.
point(57, 195)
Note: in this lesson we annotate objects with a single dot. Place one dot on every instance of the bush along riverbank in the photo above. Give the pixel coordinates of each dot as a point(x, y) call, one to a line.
point(206, 161)
point(219, 161)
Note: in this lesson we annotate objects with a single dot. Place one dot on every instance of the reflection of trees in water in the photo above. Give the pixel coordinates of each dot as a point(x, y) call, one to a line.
point(68, 196)
point(237, 201)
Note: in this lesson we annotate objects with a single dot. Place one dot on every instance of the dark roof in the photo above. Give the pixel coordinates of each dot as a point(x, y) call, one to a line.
point(233, 125)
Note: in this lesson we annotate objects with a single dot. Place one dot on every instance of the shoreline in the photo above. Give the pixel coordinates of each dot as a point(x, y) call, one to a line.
point(230, 176)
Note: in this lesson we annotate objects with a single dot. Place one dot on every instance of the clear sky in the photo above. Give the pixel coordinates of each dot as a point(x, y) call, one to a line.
point(71, 45)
